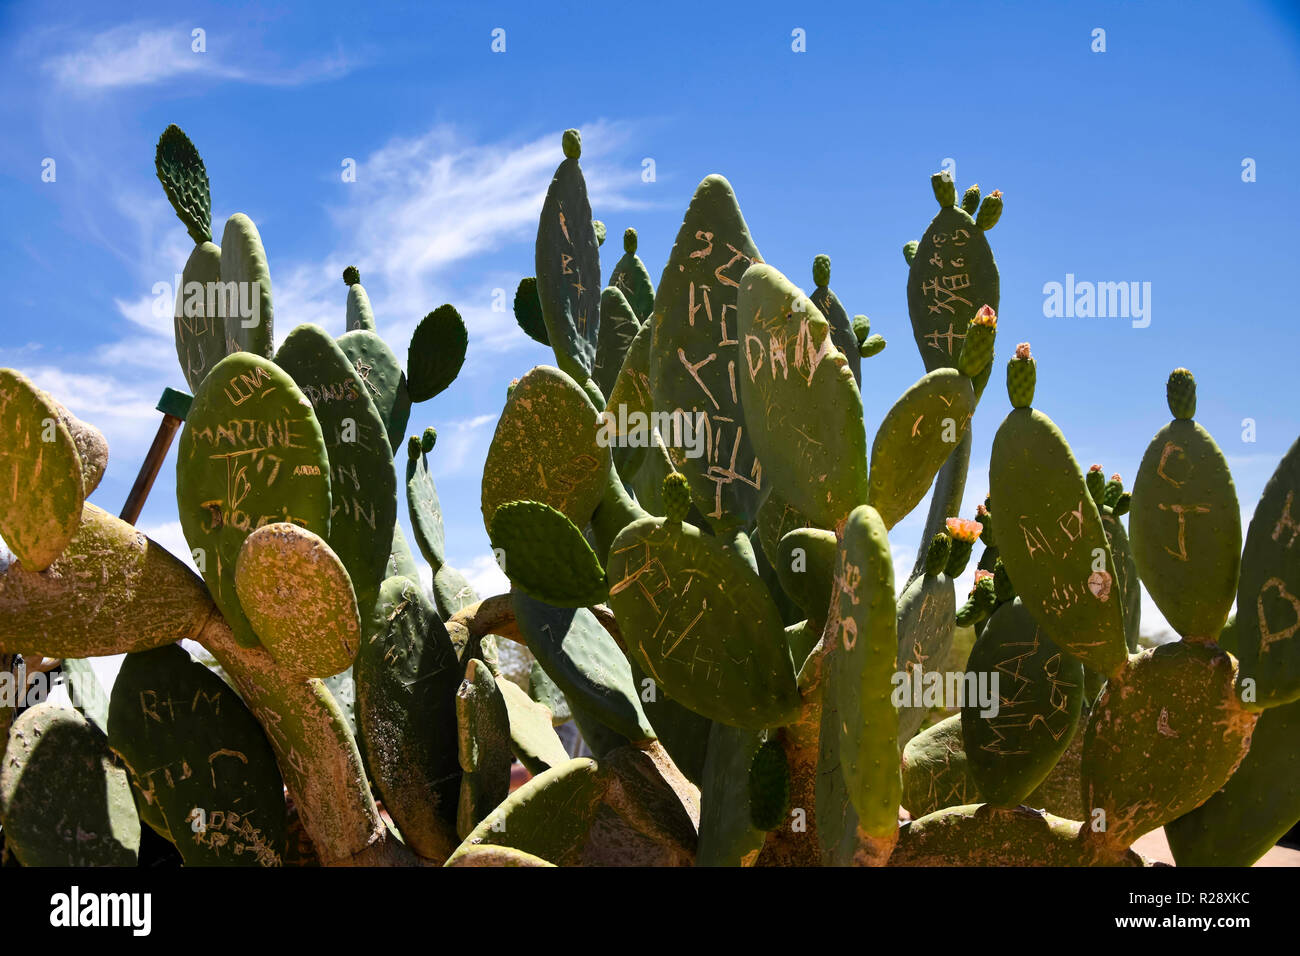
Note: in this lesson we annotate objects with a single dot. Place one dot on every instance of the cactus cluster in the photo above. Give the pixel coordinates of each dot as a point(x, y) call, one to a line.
point(695, 525)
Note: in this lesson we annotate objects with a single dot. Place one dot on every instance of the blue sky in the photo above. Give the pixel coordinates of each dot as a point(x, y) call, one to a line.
point(1123, 165)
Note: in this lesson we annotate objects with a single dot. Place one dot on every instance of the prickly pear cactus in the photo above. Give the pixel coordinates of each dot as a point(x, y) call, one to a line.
point(803, 409)
point(251, 453)
point(547, 447)
point(1185, 692)
point(695, 357)
point(249, 323)
point(568, 266)
point(631, 278)
point(1013, 741)
point(865, 633)
point(363, 485)
point(41, 483)
point(1185, 524)
point(1268, 609)
point(1051, 539)
point(437, 352)
point(200, 757)
point(699, 621)
point(64, 798)
point(952, 275)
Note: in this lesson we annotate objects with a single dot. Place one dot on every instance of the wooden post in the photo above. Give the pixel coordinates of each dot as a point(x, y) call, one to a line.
point(175, 406)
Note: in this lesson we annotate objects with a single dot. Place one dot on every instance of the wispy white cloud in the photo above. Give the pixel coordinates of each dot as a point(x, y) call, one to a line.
point(422, 207)
point(137, 54)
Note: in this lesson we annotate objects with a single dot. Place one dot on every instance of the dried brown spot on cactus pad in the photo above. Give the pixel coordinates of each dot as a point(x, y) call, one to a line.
point(299, 599)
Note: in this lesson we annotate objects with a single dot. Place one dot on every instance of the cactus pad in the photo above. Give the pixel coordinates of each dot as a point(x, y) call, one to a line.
point(1179, 699)
point(695, 359)
point(546, 448)
point(1040, 692)
point(618, 327)
point(1268, 606)
point(914, 440)
point(297, 595)
point(952, 275)
point(546, 556)
point(699, 621)
point(64, 799)
point(406, 681)
point(363, 488)
point(251, 454)
point(483, 746)
point(631, 277)
point(199, 756)
point(585, 663)
point(528, 311)
point(548, 817)
point(1185, 527)
point(200, 324)
point(359, 313)
point(436, 354)
point(111, 591)
point(42, 487)
point(985, 835)
point(246, 278)
point(185, 180)
point(532, 734)
point(382, 377)
point(864, 629)
point(935, 770)
point(803, 410)
point(568, 268)
point(1051, 540)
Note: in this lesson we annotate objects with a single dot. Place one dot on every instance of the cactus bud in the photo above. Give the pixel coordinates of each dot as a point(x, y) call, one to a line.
point(677, 497)
point(861, 329)
point(936, 558)
point(572, 142)
point(1021, 376)
point(1002, 587)
point(352, 276)
point(769, 786)
point(599, 228)
point(428, 439)
point(629, 241)
point(510, 389)
point(1114, 488)
point(1096, 484)
point(1180, 391)
point(945, 190)
point(990, 211)
point(822, 271)
point(982, 516)
point(1122, 504)
point(413, 447)
point(970, 200)
point(964, 535)
point(977, 350)
point(871, 346)
point(909, 250)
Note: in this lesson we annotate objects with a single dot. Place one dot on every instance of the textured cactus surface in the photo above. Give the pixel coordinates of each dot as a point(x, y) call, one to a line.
point(64, 798)
point(712, 612)
point(42, 486)
point(198, 755)
point(695, 357)
point(251, 453)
